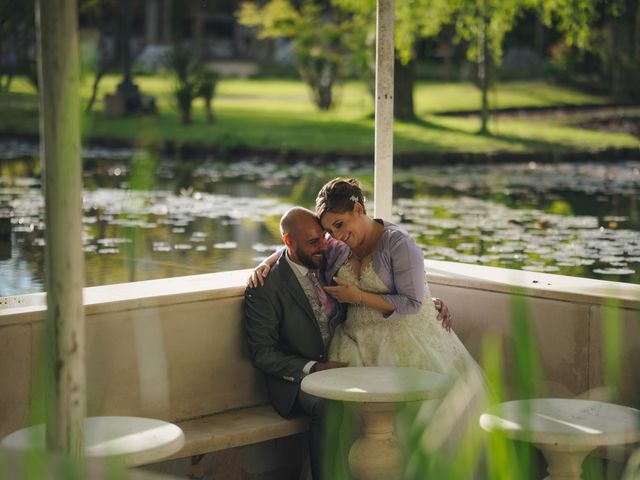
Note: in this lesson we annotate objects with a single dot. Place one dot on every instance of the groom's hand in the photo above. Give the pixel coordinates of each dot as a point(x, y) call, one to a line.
point(443, 314)
point(319, 366)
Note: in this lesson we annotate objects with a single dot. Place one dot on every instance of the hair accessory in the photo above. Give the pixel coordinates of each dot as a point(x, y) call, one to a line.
point(353, 198)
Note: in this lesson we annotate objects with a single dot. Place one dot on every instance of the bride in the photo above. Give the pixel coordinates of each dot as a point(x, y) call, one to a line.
point(391, 320)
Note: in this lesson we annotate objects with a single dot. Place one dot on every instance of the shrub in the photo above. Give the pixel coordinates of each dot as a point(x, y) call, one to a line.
point(206, 89)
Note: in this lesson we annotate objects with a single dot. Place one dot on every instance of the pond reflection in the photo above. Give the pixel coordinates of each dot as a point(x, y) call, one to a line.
point(147, 217)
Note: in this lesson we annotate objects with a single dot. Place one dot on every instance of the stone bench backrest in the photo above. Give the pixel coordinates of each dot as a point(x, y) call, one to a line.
point(173, 361)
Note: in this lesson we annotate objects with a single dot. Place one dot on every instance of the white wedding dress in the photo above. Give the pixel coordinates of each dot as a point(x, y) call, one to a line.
point(367, 338)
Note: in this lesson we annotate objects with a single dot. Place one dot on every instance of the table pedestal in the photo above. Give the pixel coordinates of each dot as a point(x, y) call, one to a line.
point(377, 454)
point(563, 463)
point(565, 430)
point(376, 393)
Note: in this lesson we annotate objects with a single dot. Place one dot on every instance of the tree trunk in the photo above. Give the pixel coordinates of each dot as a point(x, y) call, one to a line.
point(447, 49)
point(185, 116)
point(618, 71)
point(6, 87)
point(151, 15)
point(324, 97)
point(167, 7)
point(198, 33)
point(484, 63)
point(103, 60)
point(636, 53)
point(403, 90)
point(209, 112)
point(94, 89)
point(539, 35)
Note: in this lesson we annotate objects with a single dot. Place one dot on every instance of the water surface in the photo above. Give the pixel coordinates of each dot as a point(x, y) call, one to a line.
point(146, 217)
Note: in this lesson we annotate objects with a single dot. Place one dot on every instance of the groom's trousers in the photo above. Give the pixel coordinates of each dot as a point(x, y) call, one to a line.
point(326, 418)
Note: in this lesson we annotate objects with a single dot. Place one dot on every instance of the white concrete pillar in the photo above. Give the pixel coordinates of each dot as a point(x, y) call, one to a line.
point(58, 70)
point(383, 179)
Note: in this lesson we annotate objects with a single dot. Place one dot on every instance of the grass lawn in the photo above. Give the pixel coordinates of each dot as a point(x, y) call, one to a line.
point(278, 115)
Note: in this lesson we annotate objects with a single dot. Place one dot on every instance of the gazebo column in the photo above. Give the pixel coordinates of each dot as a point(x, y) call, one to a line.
point(383, 180)
point(58, 71)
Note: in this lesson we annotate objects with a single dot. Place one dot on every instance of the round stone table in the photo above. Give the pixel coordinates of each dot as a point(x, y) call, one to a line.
point(128, 441)
point(376, 393)
point(564, 430)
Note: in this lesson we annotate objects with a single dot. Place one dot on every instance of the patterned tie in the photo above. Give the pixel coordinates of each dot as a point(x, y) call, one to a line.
point(326, 302)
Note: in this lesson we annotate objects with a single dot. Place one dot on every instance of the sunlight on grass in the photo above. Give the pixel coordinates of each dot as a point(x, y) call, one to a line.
point(440, 97)
point(278, 115)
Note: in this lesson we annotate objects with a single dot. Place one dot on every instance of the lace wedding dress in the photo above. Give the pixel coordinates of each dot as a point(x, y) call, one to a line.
point(367, 338)
point(443, 426)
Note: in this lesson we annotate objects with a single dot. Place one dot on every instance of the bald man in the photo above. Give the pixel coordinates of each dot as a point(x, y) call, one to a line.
point(289, 323)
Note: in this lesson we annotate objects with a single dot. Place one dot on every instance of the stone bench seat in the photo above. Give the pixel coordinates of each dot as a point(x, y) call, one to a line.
point(235, 428)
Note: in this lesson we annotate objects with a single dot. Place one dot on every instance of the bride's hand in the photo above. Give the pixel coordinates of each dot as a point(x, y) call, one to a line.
point(345, 292)
point(258, 275)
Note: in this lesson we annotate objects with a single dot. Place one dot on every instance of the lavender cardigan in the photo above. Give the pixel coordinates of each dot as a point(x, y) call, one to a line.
point(399, 263)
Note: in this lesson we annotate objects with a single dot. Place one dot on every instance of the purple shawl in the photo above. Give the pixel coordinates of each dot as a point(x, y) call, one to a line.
point(399, 263)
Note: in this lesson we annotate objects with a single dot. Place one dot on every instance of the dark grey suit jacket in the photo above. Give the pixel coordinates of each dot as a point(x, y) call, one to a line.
point(283, 334)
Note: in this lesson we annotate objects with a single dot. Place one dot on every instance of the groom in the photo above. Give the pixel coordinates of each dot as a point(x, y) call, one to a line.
point(289, 323)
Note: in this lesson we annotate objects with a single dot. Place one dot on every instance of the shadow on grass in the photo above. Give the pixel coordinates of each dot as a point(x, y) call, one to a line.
point(423, 123)
point(527, 144)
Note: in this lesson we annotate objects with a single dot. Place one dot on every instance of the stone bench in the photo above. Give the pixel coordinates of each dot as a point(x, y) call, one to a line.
point(236, 428)
point(168, 349)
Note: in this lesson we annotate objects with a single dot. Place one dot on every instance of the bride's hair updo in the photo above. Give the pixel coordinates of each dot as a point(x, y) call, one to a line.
point(339, 196)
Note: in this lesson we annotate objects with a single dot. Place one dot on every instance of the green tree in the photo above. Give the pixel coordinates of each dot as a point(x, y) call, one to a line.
point(17, 35)
point(206, 83)
point(623, 32)
point(319, 34)
point(99, 13)
point(610, 30)
point(484, 24)
point(413, 20)
point(325, 36)
point(181, 61)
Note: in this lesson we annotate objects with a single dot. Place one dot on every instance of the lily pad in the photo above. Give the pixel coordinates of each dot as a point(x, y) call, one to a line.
point(614, 271)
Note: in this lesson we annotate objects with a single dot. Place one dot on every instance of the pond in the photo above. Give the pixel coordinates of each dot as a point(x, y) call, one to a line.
point(148, 217)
